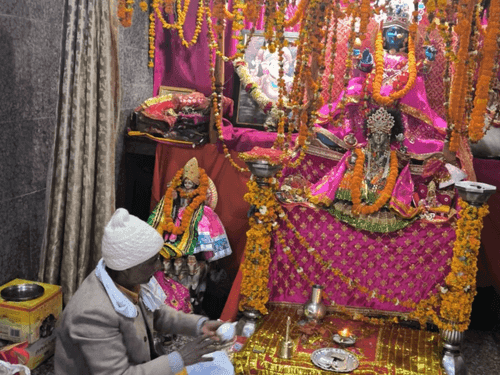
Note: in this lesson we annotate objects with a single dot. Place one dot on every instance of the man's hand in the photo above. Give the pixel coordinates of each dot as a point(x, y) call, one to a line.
point(193, 351)
point(209, 327)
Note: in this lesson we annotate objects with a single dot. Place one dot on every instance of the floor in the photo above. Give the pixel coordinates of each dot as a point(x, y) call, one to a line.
point(480, 349)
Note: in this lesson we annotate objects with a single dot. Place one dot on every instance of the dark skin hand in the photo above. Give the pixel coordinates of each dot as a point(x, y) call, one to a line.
point(193, 351)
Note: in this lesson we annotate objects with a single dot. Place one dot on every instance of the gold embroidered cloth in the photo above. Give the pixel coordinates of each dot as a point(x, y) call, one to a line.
point(389, 349)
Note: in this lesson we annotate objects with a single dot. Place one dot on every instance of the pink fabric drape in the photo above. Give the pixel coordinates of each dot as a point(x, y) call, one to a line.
point(178, 66)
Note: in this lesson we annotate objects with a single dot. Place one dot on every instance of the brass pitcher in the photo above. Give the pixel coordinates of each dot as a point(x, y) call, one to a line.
point(315, 309)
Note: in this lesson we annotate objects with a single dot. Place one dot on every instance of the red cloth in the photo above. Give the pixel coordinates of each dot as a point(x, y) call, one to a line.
point(488, 171)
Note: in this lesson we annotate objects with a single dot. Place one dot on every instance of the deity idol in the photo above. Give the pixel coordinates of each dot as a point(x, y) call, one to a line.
point(186, 219)
point(424, 131)
point(366, 188)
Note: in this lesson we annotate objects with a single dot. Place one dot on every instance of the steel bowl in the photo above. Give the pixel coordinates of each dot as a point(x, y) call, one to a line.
point(22, 292)
point(475, 193)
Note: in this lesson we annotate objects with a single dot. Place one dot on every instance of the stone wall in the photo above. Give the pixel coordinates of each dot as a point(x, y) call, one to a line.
point(30, 64)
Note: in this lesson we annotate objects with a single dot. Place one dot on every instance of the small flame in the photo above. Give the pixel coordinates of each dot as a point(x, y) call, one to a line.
point(345, 332)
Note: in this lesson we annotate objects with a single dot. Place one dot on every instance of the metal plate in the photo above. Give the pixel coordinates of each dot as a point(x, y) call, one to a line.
point(22, 292)
point(335, 360)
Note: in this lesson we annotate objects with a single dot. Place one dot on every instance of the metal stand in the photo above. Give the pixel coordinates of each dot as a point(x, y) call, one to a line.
point(453, 362)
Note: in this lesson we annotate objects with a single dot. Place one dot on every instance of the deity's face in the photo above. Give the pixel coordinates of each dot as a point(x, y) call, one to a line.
point(379, 139)
point(395, 39)
point(188, 184)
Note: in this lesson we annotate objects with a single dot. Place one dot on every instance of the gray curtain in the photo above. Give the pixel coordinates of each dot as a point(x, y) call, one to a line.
point(81, 181)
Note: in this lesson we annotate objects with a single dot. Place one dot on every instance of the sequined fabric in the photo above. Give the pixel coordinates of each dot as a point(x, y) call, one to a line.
point(387, 349)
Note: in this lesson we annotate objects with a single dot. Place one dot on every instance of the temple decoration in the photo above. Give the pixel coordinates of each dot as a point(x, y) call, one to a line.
point(399, 154)
point(262, 186)
point(186, 219)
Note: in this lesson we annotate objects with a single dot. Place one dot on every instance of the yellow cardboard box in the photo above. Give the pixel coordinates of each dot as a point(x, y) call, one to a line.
point(30, 320)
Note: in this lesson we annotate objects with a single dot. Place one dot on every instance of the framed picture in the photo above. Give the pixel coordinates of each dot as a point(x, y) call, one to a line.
point(165, 90)
point(263, 68)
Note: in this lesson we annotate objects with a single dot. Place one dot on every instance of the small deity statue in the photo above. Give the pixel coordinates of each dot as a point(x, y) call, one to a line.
point(366, 188)
point(424, 130)
point(186, 219)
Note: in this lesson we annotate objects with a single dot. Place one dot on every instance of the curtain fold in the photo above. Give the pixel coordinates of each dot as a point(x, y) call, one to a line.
point(81, 181)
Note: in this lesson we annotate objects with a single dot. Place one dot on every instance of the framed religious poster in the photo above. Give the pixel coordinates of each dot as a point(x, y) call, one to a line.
point(165, 90)
point(256, 80)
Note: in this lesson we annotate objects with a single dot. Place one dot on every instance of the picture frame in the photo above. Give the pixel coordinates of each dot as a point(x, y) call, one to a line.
point(263, 67)
point(165, 90)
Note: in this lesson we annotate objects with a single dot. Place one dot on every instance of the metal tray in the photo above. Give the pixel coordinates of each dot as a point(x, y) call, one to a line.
point(335, 360)
point(22, 292)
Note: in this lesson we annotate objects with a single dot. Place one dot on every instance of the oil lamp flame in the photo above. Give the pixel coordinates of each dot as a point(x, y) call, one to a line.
point(345, 332)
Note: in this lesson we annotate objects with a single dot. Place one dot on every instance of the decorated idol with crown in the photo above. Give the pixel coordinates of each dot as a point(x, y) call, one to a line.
point(389, 73)
point(186, 219)
point(372, 187)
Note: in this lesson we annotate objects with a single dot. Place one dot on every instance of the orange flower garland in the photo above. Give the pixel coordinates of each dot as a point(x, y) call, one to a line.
point(298, 15)
point(357, 178)
point(255, 267)
point(456, 305)
point(379, 72)
point(490, 54)
point(456, 107)
point(199, 194)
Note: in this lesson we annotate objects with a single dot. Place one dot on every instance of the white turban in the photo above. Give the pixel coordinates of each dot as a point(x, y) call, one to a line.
point(128, 241)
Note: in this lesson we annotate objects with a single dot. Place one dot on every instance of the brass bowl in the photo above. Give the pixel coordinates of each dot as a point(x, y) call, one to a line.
point(22, 292)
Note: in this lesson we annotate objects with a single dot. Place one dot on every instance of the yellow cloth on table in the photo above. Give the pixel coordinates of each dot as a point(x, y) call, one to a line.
point(389, 349)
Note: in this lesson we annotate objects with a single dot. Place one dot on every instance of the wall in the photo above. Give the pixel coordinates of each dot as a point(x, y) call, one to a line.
point(137, 86)
point(30, 53)
point(30, 57)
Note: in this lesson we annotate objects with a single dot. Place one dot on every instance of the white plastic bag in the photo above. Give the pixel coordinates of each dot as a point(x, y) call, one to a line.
point(7, 368)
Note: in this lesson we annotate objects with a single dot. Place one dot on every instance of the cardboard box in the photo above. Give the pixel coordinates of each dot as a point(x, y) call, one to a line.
point(41, 350)
point(30, 355)
point(30, 320)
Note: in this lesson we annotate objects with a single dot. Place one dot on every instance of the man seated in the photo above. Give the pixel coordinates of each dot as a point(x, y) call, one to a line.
point(107, 327)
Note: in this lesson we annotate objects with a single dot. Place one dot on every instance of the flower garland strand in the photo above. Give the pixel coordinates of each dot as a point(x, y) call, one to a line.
point(198, 196)
point(490, 53)
point(356, 181)
point(216, 99)
point(456, 107)
point(456, 305)
point(254, 291)
point(379, 72)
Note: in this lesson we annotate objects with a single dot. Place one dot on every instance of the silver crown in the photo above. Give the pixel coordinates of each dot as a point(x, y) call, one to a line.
point(380, 121)
point(398, 13)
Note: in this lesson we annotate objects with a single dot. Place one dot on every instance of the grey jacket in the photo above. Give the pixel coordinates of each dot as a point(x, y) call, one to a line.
point(92, 338)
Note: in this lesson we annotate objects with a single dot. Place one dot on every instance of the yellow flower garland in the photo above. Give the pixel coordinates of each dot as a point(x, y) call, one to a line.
point(357, 178)
point(254, 291)
point(198, 196)
point(379, 72)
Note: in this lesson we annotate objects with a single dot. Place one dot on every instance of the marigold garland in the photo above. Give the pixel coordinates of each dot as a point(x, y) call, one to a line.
point(379, 72)
point(198, 196)
point(490, 54)
point(456, 305)
point(357, 178)
point(255, 268)
point(458, 92)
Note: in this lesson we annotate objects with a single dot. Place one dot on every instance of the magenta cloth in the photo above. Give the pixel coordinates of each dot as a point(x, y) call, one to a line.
point(409, 262)
point(424, 129)
point(177, 294)
point(178, 66)
point(244, 139)
point(406, 264)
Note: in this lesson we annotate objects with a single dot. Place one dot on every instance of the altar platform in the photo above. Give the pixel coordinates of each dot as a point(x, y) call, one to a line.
point(387, 349)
